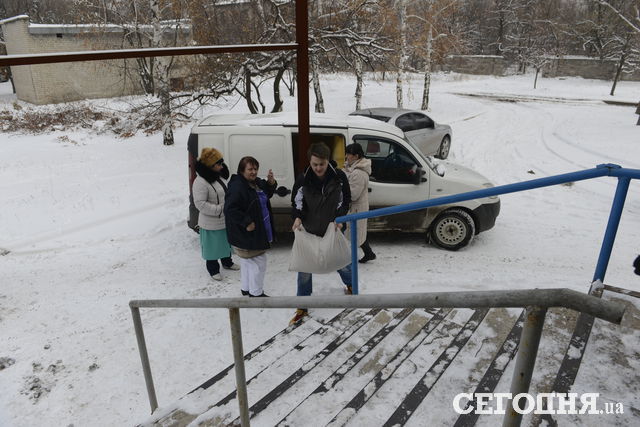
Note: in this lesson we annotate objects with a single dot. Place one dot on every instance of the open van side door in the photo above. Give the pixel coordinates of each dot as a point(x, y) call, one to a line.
point(397, 177)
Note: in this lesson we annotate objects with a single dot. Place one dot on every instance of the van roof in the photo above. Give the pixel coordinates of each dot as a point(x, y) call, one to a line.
point(290, 119)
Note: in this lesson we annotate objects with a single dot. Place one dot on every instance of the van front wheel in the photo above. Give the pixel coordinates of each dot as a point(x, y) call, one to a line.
point(452, 230)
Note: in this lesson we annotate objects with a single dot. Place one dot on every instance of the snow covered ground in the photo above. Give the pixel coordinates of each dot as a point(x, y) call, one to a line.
point(92, 221)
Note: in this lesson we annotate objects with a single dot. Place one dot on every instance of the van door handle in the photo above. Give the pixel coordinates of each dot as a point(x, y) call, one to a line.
point(282, 191)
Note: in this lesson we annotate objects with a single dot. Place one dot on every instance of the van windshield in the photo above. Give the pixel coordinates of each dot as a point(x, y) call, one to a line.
point(427, 159)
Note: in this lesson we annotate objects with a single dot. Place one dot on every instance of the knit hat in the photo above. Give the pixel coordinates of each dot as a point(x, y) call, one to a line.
point(210, 156)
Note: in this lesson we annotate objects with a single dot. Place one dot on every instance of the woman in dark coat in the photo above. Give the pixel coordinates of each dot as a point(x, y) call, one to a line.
point(249, 222)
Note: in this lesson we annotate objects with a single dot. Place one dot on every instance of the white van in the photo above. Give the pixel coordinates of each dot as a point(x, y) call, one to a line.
point(400, 172)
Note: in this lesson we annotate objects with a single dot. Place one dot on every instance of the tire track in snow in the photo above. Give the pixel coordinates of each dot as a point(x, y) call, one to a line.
point(524, 131)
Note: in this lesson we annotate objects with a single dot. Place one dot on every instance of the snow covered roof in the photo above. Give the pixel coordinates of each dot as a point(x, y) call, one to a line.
point(12, 19)
point(183, 24)
point(476, 56)
point(291, 119)
point(108, 28)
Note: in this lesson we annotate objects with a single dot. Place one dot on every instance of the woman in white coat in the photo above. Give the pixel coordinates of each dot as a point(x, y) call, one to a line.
point(209, 190)
point(358, 170)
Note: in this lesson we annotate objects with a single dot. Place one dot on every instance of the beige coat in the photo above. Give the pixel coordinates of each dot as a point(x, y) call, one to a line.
point(358, 174)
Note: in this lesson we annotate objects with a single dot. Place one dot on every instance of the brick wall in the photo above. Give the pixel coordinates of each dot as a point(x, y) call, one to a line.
point(579, 66)
point(588, 68)
point(476, 64)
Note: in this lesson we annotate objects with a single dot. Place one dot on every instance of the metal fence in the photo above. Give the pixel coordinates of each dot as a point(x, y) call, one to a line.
point(535, 301)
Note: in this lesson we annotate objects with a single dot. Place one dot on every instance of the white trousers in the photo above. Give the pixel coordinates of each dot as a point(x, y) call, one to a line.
point(252, 271)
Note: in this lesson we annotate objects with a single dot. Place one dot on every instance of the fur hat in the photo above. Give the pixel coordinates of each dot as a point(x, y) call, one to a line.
point(210, 156)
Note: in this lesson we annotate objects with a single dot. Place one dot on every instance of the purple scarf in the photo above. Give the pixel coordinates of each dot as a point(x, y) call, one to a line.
point(264, 209)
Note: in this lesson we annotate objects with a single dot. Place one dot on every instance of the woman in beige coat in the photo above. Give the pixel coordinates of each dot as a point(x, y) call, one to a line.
point(358, 169)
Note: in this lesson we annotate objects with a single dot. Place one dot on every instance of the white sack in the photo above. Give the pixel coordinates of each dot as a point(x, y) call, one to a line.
point(315, 254)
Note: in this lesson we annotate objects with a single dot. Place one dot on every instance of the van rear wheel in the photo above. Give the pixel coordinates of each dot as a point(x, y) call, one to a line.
point(452, 230)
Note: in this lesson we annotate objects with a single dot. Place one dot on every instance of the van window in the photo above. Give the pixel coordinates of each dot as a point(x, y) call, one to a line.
point(390, 162)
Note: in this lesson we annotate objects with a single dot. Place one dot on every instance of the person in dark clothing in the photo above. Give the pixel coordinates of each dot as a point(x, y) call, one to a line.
point(249, 222)
point(319, 195)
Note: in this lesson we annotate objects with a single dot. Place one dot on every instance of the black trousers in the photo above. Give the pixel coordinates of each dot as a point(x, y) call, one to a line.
point(366, 248)
point(214, 268)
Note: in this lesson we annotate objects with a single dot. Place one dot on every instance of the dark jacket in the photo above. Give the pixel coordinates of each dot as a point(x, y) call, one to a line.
point(241, 208)
point(320, 201)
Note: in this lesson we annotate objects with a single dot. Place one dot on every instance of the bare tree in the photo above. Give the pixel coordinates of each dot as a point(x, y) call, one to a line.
point(403, 55)
point(631, 17)
point(430, 15)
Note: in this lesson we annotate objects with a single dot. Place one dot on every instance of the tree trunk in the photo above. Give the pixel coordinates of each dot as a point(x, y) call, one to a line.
point(13, 85)
point(427, 70)
point(618, 71)
point(277, 99)
point(501, 25)
point(247, 93)
point(316, 85)
point(402, 11)
point(535, 81)
point(291, 84)
point(163, 66)
point(358, 69)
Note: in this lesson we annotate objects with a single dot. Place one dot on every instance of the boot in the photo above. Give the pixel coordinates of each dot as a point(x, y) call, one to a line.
point(367, 257)
point(368, 253)
point(300, 314)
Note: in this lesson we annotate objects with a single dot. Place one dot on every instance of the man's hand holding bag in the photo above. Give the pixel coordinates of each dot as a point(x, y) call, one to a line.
point(320, 255)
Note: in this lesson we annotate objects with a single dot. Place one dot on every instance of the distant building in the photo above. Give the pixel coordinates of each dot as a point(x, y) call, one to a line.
point(72, 81)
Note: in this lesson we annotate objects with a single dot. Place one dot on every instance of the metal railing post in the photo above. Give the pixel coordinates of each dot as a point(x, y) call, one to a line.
point(144, 357)
point(238, 358)
point(354, 258)
point(612, 228)
point(525, 362)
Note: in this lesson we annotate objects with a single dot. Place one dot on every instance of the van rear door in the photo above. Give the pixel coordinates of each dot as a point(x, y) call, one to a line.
point(272, 148)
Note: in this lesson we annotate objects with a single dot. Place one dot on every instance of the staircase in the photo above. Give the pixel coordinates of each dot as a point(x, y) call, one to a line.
point(381, 367)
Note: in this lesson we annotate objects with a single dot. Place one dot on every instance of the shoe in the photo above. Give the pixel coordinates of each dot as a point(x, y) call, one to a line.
point(348, 290)
point(367, 258)
point(244, 293)
point(234, 267)
point(261, 295)
point(217, 277)
point(300, 313)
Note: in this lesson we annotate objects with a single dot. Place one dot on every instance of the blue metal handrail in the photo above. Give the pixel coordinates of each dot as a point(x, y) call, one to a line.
point(624, 176)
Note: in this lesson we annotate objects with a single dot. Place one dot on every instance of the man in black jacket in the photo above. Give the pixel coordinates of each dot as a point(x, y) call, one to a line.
point(319, 195)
